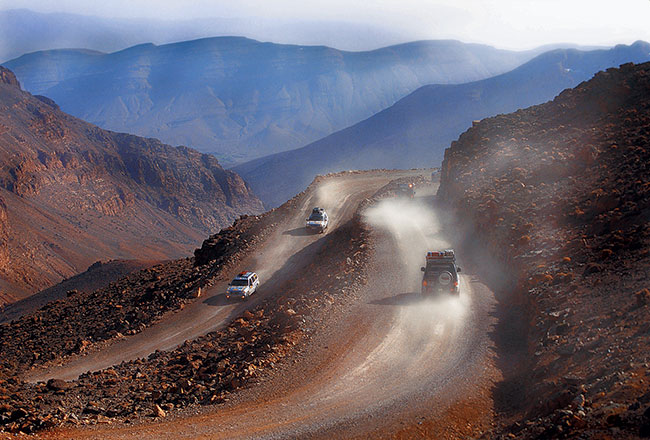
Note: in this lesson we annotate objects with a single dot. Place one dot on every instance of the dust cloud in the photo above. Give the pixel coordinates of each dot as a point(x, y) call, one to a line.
point(423, 340)
point(416, 230)
point(415, 226)
point(328, 196)
point(424, 337)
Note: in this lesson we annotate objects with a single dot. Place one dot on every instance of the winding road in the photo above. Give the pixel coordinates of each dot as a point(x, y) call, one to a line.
point(387, 365)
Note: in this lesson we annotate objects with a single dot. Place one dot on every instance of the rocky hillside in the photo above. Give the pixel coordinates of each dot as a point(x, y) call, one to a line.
point(415, 131)
point(198, 373)
point(559, 195)
point(97, 276)
point(240, 98)
point(72, 193)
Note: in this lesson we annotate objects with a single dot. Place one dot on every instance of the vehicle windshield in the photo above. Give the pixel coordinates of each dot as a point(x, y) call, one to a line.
point(239, 283)
point(439, 267)
point(316, 217)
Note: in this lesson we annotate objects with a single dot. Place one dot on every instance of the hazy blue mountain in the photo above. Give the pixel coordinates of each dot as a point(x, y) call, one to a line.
point(240, 98)
point(24, 31)
point(416, 130)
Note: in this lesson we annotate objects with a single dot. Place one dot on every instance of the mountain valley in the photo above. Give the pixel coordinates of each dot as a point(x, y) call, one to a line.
point(528, 171)
point(239, 98)
point(72, 193)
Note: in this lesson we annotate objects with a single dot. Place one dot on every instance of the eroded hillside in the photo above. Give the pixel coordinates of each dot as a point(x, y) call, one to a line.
point(559, 194)
point(71, 193)
point(253, 337)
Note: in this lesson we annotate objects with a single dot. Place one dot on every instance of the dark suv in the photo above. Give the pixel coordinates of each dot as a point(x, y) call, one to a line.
point(440, 273)
point(406, 190)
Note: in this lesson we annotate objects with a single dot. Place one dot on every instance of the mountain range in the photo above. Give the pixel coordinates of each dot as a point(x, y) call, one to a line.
point(64, 30)
point(415, 131)
point(72, 193)
point(239, 98)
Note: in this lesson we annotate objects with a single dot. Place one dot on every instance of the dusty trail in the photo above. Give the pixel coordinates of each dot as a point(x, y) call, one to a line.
point(385, 362)
point(340, 196)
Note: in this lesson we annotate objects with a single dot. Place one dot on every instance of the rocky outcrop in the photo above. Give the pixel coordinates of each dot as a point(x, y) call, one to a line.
point(74, 193)
point(218, 247)
point(559, 195)
point(8, 77)
point(4, 224)
point(4, 248)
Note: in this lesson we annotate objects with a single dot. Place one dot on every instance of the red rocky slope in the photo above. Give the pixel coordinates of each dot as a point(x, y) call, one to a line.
point(97, 276)
point(71, 193)
point(560, 195)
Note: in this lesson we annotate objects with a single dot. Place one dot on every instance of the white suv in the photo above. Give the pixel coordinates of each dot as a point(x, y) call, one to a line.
point(317, 220)
point(243, 285)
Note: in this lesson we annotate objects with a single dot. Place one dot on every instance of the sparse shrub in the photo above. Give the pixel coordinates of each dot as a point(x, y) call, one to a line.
point(527, 227)
point(540, 278)
point(592, 268)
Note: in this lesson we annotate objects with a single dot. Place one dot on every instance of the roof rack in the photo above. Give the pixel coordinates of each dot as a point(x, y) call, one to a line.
point(439, 255)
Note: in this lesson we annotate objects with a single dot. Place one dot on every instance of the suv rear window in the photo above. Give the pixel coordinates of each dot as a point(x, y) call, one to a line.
point(439, 267)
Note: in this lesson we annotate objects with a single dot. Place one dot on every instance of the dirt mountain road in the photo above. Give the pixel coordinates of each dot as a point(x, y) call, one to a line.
point(340, 196)
point(385, 365)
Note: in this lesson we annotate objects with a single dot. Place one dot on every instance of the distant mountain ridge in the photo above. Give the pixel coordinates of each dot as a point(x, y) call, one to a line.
point(416, 130)
point(239, 98)
point(72, 193)
point(61, 30)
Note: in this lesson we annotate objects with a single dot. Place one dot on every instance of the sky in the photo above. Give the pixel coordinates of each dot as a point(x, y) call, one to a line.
point(511, 24)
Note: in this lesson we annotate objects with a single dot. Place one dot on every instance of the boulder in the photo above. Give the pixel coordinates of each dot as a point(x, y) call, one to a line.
point(58, 385)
